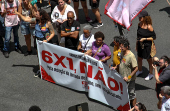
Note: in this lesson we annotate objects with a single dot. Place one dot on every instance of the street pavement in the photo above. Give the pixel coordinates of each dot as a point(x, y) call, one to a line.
point(19, 89)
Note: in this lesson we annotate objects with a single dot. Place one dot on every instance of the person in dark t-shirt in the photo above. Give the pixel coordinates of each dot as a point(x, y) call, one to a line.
point(70, 30)
point(164, 78)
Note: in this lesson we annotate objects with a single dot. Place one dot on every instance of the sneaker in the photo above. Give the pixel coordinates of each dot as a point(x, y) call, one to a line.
point(97, 25)
point(149, 77)
point(37, 74)
point(28, 53)
point(138, 73)
point(48, 6)
point(18, 50)
point(93, 22)
point(6, 54)
point(88, 19)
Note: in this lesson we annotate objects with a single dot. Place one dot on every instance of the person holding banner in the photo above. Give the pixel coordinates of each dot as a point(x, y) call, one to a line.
point(116, 53)
point(100, 50)
point(145, 36)
point(128, 68)
point(86, 39)
point(70, 30)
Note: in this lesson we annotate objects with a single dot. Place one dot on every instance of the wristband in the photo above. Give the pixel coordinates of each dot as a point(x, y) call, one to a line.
point(129, 77)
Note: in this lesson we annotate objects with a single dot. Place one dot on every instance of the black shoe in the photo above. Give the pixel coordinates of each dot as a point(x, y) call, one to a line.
point(37, 74)
point(97, 25)
point(28, 53)
point(19, 50)
point(94, 22)
point(6, 54)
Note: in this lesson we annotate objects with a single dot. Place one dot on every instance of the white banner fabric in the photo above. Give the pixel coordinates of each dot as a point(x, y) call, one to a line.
point(81, 72)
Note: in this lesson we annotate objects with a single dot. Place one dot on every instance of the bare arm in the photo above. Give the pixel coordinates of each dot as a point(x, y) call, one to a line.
point(52, 33)
point(150, 28)
point(168, 2)
point(156, 74)
point(64, 34)
point(89, 52)
point(74, 34)
point(106, 58)
point(135, 69)
point(79, 46)
point(20, 8)
point(26, 19)
point(159, 104)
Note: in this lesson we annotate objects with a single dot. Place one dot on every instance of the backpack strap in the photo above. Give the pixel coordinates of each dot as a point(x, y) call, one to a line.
point(16, 1)
point(5, 4)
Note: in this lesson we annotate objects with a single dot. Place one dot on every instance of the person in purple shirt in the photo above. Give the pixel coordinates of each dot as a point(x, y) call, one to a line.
point(99, 50)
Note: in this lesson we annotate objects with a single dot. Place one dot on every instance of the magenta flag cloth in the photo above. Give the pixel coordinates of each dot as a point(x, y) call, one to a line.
point(124, 11)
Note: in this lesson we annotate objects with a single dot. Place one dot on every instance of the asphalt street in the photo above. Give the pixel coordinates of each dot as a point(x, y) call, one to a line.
point(19, 89)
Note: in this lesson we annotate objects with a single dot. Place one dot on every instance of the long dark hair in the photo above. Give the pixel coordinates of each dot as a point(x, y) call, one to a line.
point(45, 17)
point(141, 107)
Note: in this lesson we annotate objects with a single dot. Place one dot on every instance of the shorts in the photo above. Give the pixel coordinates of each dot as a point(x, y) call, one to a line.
point(131, 90)
point(25, 28)
point(78, 0)
point(94, 5)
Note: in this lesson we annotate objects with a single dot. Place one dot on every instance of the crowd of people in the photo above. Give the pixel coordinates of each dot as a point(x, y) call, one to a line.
point(65, 20)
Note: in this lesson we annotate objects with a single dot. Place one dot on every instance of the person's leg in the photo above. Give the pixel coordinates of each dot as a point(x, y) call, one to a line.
point(132, 93)
point(139, 66)
point(6, 41)
point(16, 39)
point(28, 41)
point(84, 5)
point(53, 4)
point(97, 14)
point(76, 6)
point(7, 38)
point(150, 75)
point(140, 63)
point(150, 65)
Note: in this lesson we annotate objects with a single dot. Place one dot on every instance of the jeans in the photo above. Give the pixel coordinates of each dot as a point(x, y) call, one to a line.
point(8, 37)
point(2, 31)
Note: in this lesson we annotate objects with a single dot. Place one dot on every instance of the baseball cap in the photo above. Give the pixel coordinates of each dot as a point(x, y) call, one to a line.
point(143, 13)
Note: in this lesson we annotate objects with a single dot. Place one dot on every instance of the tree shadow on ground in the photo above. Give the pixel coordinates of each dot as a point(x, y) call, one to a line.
point(24, 50)
point(167, 10)
point(35, 67)
point(145, 72)
point(141, 87)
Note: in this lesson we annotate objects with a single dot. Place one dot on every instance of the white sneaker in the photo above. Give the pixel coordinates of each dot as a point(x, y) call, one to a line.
point(138, 73)
point(149, 77)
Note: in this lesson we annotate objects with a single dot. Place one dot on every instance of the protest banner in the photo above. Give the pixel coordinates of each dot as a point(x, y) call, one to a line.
point(81, 72)
point(124, 11)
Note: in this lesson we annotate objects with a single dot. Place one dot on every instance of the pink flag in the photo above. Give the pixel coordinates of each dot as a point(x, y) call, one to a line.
point(124, 11)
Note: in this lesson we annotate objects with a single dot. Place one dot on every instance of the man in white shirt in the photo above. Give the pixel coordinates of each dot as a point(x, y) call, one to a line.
point(164, 101)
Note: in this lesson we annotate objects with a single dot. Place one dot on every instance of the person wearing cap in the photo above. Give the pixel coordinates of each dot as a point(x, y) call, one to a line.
point(145, 36)
point(164, 101)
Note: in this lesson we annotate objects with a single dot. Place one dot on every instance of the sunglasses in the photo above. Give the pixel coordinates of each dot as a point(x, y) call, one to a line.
point(69, 17)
